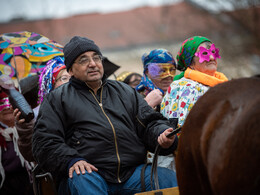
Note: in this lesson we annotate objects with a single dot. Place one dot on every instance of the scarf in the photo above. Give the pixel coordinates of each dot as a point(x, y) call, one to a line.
point(146, 85)
point(179, 76)
point(156, 56)
point(10, 134)
point(187, 51)
point(205, 79)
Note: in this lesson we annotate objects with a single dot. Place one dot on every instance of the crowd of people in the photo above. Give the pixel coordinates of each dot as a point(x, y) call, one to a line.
point(96, 135)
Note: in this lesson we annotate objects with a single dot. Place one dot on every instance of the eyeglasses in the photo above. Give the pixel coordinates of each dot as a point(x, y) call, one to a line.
point(64, 78)
point(85, 61)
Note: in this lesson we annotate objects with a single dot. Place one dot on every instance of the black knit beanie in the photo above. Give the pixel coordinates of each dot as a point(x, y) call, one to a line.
point(76, 47)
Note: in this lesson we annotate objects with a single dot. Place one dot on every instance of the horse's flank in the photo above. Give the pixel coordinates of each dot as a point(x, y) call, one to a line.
point(219, 148)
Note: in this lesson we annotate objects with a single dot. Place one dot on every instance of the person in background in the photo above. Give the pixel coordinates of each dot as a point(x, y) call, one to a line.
point(159, 70)
point(197, 59)
point(131, 78)
point(95, 132)
point(14, 169)
point(52, 76)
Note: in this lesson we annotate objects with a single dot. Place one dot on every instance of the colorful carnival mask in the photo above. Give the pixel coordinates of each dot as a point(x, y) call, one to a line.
point(157, 70)
point(204, 54)
point(4, 103)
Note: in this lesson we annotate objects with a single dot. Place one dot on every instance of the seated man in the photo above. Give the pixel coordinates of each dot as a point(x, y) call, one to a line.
point(93, 134)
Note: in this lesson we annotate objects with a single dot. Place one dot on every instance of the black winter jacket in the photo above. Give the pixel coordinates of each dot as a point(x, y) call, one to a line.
point(112, 130)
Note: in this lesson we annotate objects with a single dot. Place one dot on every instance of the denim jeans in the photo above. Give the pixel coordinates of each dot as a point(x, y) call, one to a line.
point(94, 184)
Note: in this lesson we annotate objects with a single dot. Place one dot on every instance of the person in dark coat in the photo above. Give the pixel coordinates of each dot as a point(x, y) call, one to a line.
point(93, 134)
point(14, 169)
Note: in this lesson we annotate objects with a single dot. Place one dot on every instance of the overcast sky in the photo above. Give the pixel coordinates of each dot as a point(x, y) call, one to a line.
point(39, 9)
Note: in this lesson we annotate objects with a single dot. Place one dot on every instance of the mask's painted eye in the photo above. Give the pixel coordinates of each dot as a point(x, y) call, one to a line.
point(213, 51)
point(45, 49)
point(162, 70)
point(205, 53)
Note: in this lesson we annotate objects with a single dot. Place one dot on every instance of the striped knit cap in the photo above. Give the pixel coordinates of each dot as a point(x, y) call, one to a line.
point(46, 79)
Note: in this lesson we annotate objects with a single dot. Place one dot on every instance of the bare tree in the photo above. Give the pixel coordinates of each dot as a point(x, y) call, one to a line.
point(246, 13)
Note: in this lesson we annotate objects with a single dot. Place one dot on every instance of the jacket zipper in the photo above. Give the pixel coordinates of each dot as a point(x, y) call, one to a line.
point(114, 132)
point(140, 122)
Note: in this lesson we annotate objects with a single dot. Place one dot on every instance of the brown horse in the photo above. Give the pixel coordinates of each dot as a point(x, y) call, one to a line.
point(219, 147)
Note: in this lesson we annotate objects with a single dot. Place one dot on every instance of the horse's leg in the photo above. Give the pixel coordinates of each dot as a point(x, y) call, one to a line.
point(189, 178)
point(191, 173)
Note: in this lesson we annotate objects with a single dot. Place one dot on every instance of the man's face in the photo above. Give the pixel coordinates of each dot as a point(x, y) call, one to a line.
point(88, 67)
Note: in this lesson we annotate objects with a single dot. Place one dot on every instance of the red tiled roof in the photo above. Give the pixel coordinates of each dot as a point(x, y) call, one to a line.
point(129, 28)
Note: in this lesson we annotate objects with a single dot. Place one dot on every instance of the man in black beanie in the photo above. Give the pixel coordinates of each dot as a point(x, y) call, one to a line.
point(77, 46)
point(93, 134)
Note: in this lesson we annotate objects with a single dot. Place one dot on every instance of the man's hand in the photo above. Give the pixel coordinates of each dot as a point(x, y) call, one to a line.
point(164, 141)
point(17, 114)
point(80, 166)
